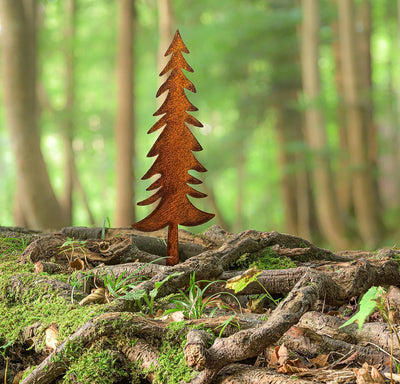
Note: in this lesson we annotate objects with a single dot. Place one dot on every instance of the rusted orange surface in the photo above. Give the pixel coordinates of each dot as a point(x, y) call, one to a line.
point(174, 150)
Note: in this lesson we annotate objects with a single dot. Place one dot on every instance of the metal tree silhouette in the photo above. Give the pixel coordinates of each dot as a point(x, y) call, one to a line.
point(174, 150)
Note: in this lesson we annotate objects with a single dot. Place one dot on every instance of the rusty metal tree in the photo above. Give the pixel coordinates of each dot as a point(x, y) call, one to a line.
point(174, 150)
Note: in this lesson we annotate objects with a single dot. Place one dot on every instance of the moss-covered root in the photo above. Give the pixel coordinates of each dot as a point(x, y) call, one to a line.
point(114, 324)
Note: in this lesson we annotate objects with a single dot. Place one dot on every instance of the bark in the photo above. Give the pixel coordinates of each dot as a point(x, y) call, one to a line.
point(364, 195)
point(142, 353)
point(343, 179)
point(240, 373)
point(68, 121)
point(124, 127)
point(329, 215)
point(371, 334)
point(40, 206)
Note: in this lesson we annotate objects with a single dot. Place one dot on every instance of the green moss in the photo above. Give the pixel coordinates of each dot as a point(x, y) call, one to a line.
point(37, 302)
point(95, 365)
point(172, 367)
point(266, 259)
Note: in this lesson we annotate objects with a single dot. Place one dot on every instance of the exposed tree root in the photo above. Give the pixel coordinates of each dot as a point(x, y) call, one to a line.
point(295, 321)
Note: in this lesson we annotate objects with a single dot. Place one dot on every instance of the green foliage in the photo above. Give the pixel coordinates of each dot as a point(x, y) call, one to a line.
point(241, 282)
point(194, 302)
point(103, 227)
point(367, 305)
point(121, 288)
point(71, 245)
point(230, 321)
point(140, 295)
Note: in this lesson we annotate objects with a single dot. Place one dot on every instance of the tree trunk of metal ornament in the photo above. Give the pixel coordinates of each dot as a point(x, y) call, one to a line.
point(172, 245)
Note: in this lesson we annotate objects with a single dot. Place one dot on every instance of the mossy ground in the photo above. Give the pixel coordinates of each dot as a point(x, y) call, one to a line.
point(37, 304)
point(267, 259)
point(100, 363)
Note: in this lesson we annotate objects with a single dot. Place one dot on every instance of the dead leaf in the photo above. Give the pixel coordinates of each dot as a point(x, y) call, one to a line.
point(283, 354)
point(363, 375)
point(51, 335)
point(274, 360)
point(255, 306)
point(376, 376)
point(174, 316)
point(18, 377)
point(320, 361)
point(96, 297)
point(293, 366)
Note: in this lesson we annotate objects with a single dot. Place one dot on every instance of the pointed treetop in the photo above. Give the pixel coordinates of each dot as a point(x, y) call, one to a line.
point(177, 45)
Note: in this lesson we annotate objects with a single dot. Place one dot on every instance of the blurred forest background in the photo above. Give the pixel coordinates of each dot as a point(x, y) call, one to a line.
point(300, 102)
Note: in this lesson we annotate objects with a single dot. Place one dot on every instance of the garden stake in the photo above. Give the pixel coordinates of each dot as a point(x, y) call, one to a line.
point(174, 150)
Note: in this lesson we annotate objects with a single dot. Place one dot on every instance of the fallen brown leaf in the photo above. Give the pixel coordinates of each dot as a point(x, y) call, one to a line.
point(363, 375)
point(320, 361)
point(283, 354)
point(51, 336)
point(293, 366)
point(96, 297)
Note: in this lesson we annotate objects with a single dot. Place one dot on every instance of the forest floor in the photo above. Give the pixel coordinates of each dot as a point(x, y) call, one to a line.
point(96, 305)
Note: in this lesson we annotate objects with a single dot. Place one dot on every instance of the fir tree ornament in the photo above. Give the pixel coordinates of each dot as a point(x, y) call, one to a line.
point(174, 150)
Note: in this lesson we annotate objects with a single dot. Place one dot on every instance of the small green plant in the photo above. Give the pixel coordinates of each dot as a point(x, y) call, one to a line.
point(241, 282)
point(81, 280)
point(70, 245)
point(139, 295)
point(119, 286)
point(106, 220)
point(367, 305)
point(231, 320)
point(194, 302)
point(374, 299)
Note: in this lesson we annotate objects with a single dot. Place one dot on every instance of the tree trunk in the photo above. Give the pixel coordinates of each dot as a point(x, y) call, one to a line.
point(328, 213)
point(40, 206)
point(365, 73)
point(68, 121)
point(124, 129)
point(342, 180)
point(364, 194)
